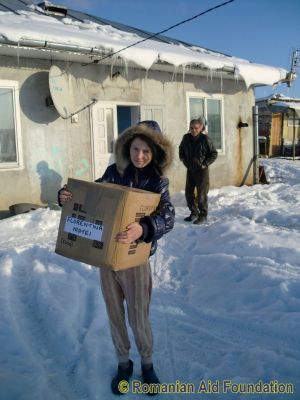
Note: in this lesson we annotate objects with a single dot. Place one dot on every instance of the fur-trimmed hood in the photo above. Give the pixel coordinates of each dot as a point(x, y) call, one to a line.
point(162, 157)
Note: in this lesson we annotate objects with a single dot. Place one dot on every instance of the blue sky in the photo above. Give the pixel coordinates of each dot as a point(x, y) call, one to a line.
point(261, 31)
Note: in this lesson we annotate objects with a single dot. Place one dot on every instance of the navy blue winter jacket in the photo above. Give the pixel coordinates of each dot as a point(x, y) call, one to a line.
point(162, 220)
point(150, 178)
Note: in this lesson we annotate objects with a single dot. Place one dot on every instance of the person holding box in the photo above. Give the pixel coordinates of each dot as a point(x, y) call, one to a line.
point(142, 154)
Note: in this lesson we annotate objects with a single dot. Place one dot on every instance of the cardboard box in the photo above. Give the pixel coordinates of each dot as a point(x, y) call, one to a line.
point(97, 212)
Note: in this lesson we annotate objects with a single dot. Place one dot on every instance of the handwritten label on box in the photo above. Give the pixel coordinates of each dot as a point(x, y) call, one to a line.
point(82, 228)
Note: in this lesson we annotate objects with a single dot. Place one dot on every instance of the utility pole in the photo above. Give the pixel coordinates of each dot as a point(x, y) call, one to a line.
point(291, 76)
point(255, 145)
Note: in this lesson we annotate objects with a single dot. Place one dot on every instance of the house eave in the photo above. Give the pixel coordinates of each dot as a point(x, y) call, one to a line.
point(55, 51)
point(87, 55)
point(49, 50)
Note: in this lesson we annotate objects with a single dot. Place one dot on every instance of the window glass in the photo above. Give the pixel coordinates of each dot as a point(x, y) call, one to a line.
point(291, 121)
point(7, 130)
point(110, 129)
point(214, 121)
point(196, 107)
point(211, 109)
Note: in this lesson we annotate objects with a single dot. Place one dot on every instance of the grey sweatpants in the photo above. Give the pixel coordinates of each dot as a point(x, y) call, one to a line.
point(133, 285)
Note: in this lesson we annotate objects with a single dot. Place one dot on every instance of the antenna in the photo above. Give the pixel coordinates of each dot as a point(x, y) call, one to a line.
point(291, 76)
point(68, 93)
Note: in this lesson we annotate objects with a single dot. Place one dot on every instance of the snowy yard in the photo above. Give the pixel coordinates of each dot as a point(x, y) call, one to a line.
point(225, 307)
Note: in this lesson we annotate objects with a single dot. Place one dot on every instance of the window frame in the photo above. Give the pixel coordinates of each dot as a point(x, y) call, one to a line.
point(18, 164)
point(205, 96)
point(290, 121)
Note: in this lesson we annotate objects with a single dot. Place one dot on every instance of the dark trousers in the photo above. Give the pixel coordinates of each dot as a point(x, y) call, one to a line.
point(197, 203)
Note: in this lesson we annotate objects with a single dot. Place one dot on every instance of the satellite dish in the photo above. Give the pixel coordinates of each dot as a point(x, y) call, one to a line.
point(69, 91)
point(61, 91)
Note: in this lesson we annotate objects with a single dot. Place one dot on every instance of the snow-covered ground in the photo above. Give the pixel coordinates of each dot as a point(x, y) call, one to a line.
point(226, 301)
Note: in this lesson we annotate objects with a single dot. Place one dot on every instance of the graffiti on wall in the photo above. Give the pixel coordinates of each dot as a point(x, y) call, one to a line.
point(80, 167)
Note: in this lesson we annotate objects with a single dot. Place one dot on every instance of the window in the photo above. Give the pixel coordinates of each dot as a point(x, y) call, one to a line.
point(10, 140)
point(291, 121)
point(212, 109)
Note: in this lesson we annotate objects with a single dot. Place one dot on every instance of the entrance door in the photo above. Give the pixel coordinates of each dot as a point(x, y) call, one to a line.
point(276, 135)
point(108, 120)
point(103, 132)
point(127, 116)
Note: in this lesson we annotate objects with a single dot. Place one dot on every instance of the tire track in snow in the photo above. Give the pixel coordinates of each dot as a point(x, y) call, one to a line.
point(233, 328)
point(211, 341)
point(236, 330)
point(24, 290)
point(199, 330)
point(240, 333)
point(73, 372)
point(167, 344)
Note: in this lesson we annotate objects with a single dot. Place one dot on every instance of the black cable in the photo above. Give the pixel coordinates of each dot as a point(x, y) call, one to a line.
point(165, 30)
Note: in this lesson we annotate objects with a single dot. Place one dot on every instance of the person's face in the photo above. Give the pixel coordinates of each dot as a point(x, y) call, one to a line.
point(195, 129)
point(140, 153)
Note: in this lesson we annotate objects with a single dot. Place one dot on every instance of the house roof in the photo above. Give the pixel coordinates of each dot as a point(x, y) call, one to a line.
point(278, 97)
point(281, 106)
point(29, 30)
point(280, 103)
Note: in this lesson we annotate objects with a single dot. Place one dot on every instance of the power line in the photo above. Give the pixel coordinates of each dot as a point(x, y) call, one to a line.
point(166, 30)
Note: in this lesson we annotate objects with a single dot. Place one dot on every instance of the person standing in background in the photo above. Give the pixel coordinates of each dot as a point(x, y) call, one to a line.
point(197, 152)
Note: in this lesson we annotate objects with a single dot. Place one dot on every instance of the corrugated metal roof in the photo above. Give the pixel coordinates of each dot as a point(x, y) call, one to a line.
point(14, 5)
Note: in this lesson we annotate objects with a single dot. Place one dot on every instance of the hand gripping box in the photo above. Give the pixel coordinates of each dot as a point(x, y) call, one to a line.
point(97, 212)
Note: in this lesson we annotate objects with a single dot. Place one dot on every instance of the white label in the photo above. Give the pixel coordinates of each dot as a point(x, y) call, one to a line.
point(82, 228)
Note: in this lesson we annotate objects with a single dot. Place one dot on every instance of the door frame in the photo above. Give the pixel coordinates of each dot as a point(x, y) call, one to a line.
point(101, 161)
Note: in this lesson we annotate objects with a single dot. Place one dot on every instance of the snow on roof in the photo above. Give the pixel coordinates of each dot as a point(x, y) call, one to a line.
point(282, 106)
point(34, 24)
point(278, 96)
point(290, 104)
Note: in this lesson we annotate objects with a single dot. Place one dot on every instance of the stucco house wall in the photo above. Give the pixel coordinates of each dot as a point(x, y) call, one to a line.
point(54, 148)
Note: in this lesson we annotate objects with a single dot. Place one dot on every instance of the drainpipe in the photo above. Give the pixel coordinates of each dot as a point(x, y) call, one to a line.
point(255, 145)
point(294, 134)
